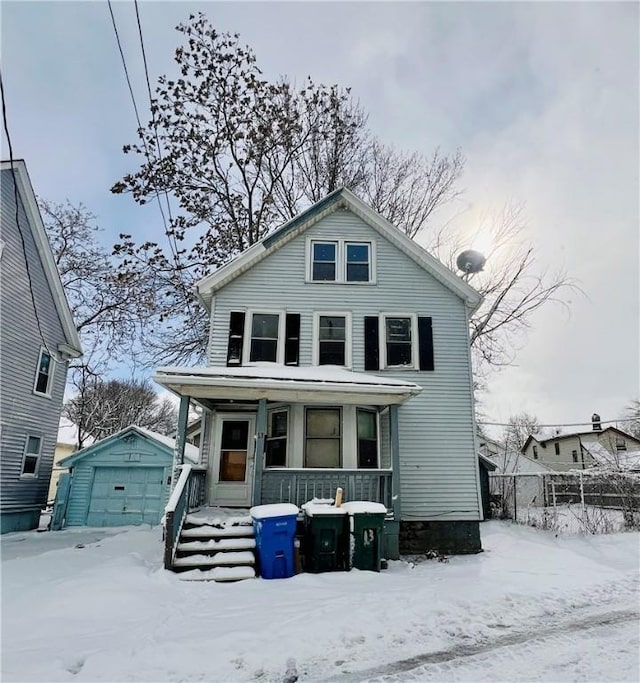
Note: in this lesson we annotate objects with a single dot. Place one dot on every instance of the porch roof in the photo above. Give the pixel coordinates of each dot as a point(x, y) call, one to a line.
point(284, 383)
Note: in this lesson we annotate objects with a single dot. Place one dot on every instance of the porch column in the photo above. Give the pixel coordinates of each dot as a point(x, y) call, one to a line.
point(258, 460)
point(394, 441)
point(181, 434)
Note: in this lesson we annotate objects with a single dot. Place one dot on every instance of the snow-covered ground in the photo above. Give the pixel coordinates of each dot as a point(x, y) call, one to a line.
point(95, 605)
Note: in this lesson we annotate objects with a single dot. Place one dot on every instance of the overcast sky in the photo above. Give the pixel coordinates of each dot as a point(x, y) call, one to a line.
point(542, 99)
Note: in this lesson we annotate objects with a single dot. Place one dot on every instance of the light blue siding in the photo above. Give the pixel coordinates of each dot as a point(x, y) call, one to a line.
point(439, 474)
point(22, 412)
point(120, 482)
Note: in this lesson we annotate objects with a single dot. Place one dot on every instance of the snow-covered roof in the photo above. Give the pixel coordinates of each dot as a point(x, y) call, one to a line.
point(338, 199)
point(626, 460)
point(190, 452)
point(277, 381)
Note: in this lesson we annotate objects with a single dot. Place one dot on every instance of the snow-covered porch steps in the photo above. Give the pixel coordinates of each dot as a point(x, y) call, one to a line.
point(216, 548)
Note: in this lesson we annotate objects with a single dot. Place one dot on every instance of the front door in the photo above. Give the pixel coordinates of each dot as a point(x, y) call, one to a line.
point(233, 458)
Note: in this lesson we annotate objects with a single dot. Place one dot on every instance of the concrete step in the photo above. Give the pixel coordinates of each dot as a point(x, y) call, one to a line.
point(220, 559)
point(213, 545)
point(211, 519)
point(219, 574)
point(208, 531)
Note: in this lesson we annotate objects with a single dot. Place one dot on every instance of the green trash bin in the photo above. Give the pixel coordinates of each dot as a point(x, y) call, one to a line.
point(366, 527)
point(326, 538)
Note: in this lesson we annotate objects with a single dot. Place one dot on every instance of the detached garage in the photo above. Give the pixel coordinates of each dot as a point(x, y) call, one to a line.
point(121, 480)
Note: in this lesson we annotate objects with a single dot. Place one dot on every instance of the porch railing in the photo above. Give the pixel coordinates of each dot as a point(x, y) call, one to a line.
point(188, 494)
point(298, 486)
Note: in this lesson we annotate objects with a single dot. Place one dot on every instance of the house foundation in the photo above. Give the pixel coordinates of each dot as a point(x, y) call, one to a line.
point(446, 537)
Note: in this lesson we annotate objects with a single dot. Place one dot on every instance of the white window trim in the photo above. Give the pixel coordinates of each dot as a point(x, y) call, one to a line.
point(341, 261)
point(52, 370)
point(270, 412)
point(316, 335)
point(248, 326)
point(382, 334)
point(38, 455)
point(320, 406)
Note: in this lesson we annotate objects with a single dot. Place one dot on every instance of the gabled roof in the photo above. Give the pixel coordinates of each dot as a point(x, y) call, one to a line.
point(190, 452)
point(546, 435)
point(72, 348)
point(338, 199)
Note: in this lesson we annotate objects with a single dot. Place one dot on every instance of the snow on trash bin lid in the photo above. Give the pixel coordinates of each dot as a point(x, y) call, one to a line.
point(273, 510)
point(315, 509)
point(364, 506)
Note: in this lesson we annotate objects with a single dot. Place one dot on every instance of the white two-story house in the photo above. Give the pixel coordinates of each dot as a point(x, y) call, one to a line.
point(339, 356)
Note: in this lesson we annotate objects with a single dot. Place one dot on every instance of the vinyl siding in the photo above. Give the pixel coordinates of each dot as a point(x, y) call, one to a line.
point(21, 411)
point(439, 473)
point(113, 454)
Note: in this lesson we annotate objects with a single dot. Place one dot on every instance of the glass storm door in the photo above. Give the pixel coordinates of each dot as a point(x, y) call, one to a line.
point(233, 460)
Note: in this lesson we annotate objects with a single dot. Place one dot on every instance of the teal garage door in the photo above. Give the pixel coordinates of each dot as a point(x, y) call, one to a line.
point(126, 495)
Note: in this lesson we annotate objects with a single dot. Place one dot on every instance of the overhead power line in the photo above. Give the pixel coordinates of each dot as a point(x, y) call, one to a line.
point(561, 424)
point(5, 125)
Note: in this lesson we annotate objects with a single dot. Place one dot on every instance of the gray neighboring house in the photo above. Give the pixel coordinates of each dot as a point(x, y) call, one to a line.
point(37, 339)
point(339, 356)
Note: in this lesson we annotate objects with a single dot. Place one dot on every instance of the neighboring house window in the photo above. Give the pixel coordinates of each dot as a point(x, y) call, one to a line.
point(575, 456)
point(332, 339)
point(322, 437)
point(44, 373)
point(341, 261)
point(276, 442)
point(398, 341)
point(32, 449)
point(535, 452)
point(557, 447)
point(367, 438)
point(325, 261)
point(621, 444)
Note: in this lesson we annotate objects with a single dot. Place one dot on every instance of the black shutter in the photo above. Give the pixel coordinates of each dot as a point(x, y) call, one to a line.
point(425, 340)
point(236, 336)
point(292, 339)
point(371, 343)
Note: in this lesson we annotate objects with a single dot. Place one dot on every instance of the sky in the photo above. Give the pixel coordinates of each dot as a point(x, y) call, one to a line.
point(541, 98)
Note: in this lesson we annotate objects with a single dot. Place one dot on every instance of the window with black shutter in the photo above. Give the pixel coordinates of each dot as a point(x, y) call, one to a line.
point(292, 339)
point(371, 343)
point(236, 336)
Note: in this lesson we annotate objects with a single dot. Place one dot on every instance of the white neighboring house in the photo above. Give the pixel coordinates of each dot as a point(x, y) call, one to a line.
point(562, 451)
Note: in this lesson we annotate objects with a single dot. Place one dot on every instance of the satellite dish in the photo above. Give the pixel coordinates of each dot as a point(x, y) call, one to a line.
point(470, 262)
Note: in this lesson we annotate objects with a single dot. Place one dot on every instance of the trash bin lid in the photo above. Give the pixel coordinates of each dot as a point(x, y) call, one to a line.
point(363, 507)
point(317, 509)
point(274, 510)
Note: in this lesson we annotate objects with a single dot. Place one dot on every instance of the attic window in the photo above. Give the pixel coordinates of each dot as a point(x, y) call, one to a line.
point(341, 261)
point(44, 374)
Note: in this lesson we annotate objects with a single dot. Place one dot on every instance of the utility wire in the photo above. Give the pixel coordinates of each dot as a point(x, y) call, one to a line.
point(172, 248)
point(561, 424)
point(5, 125)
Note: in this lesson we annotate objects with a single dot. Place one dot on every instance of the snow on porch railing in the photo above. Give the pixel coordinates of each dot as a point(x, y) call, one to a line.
point(187, 495)
point(298, 486)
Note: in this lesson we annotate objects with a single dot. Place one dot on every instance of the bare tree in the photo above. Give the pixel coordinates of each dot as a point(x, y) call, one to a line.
point(631, 423)
point(240, 155)
point(518, 430)
point(104, 408)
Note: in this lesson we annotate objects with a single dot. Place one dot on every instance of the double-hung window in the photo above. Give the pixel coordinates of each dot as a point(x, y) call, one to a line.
point(32, 450)
point(398, 341)
point(276, 441)
point(332, 339)
point(341, 261)
point(367, 438)
point(265, 332)
point(44, 373)
point(322, 437)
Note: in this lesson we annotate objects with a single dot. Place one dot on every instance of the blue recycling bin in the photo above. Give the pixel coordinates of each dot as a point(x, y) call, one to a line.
point(275, 530)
